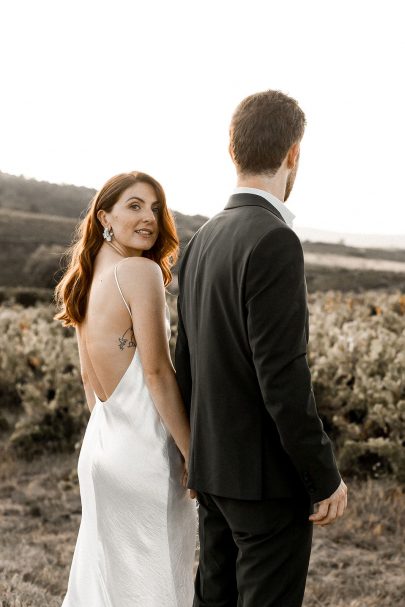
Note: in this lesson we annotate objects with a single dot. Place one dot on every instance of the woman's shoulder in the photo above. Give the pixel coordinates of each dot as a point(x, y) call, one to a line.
point(139, 271)
point(137, 264)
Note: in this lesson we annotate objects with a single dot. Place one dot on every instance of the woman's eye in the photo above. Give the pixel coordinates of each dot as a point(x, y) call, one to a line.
point(135, 206)
point(156, 210)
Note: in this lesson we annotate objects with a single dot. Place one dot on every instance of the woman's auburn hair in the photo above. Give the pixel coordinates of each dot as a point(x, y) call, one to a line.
point(71, 293)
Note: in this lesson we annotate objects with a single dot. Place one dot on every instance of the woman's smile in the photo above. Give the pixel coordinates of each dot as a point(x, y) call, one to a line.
point(145, 233)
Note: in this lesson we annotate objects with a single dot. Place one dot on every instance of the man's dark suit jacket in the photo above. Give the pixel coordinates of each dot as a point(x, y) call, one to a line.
point(241, 359)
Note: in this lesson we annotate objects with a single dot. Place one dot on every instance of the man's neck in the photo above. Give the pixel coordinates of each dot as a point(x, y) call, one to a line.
point(274, 185)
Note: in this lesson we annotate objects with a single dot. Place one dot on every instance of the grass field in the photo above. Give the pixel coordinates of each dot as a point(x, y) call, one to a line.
point(358, 562)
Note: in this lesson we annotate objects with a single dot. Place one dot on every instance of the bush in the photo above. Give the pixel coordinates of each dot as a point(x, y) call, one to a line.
point(25, 296)
point(39, 358)
point(357, 359)
point(356, 354)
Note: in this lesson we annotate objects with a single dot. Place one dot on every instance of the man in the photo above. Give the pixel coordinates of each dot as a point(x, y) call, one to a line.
point(259, 457)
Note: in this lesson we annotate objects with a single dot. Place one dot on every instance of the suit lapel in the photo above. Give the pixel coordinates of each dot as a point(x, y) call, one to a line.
point(243, 200)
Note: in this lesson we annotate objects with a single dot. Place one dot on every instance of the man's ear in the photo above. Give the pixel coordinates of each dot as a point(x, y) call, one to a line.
point(292, 155)
point(230, 151)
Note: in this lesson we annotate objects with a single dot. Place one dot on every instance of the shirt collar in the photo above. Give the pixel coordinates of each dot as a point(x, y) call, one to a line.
point(286, 214)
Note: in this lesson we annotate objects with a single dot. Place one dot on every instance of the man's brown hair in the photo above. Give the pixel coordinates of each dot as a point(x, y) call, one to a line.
point(263, 128)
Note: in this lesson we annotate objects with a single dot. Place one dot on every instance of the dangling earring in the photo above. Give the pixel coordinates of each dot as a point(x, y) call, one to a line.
point(108, 234)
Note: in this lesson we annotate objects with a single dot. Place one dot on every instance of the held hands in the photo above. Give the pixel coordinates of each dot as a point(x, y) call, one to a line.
point(332, 508)
point(184, 480)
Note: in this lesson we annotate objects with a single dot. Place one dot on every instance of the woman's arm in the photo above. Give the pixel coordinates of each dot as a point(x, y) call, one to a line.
point(142, 285)
point(165, 394)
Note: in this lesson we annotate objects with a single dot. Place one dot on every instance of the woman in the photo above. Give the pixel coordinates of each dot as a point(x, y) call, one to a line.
point(136, 541)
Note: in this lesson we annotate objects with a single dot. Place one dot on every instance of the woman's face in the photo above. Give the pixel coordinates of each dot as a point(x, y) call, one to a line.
point(134, 218)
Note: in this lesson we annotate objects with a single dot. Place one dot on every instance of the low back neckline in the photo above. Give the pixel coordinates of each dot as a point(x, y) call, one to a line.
point(117, 387)
point(120, 382)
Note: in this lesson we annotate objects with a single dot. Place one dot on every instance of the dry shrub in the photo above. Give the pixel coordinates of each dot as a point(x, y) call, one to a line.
point(39, 360)
point(356, 354)
point(357, 359)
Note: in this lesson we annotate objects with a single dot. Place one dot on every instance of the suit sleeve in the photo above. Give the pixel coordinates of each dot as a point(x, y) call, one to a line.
point(182, 361)
point(276, 303)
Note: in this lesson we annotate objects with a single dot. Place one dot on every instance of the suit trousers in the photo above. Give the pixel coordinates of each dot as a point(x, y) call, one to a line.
point(253, 553)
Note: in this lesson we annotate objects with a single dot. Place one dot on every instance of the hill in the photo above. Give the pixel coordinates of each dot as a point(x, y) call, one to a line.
point(353, 239)
point(37, 222)
point(20, 194)
point(64, 201)
point(32, 244)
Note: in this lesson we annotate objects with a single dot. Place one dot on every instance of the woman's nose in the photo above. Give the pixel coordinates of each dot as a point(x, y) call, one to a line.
point(149, 215)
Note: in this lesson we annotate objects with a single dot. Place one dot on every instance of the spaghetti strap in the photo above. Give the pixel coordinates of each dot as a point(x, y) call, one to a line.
point(119, 289)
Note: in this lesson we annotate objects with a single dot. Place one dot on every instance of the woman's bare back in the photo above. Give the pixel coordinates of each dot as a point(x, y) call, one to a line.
point(106, 339)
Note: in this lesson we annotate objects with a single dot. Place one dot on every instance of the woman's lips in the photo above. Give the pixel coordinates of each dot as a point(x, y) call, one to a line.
point(144, 233)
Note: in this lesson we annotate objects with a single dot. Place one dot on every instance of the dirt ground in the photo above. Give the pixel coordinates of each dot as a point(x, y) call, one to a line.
point(358, 562)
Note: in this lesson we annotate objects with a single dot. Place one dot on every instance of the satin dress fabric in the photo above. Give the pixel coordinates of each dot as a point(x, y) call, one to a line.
point(137, 537)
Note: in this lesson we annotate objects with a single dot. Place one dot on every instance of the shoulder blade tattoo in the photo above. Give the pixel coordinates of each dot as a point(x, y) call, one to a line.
point(127, 340)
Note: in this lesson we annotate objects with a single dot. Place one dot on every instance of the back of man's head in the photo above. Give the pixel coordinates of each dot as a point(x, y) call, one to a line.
point(263, 129)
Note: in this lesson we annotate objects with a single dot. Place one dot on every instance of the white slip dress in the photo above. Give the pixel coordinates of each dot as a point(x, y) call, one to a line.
point(137, 537)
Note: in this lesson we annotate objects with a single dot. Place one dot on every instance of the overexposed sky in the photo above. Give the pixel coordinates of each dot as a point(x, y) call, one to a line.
point(93, 88)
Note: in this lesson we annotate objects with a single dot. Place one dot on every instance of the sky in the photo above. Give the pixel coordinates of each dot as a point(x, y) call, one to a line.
point(91, 89)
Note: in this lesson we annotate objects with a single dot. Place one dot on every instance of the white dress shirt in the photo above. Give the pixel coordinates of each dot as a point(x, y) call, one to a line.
point(286, 214)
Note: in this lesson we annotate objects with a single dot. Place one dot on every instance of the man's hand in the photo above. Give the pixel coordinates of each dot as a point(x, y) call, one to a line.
point(331, 508)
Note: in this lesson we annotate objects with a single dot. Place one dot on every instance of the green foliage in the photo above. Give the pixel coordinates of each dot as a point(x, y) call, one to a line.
point(356, 354)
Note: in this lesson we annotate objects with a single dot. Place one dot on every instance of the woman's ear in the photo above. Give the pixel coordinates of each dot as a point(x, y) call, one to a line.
point(102, 217)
